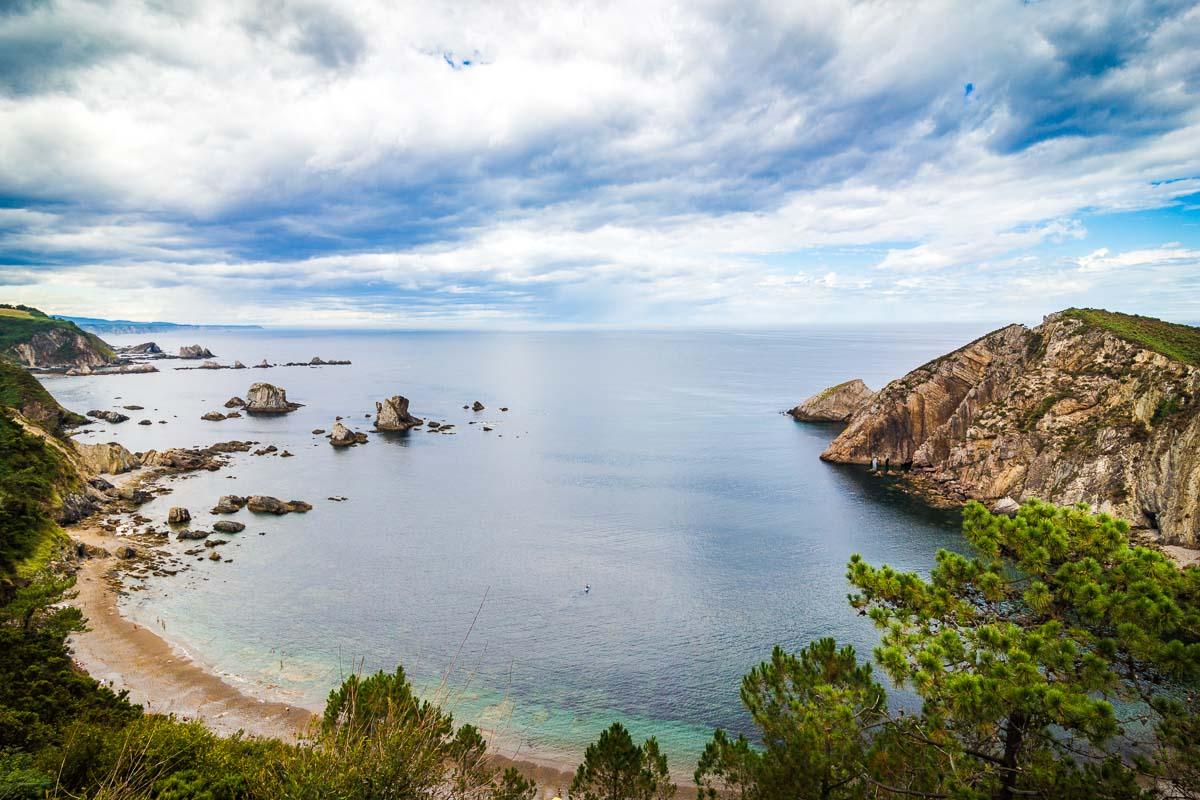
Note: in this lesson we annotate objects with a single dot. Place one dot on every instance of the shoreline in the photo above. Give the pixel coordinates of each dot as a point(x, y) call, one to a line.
point(124, 654)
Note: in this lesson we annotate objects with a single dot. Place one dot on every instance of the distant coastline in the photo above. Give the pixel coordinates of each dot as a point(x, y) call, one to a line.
point(99, 325)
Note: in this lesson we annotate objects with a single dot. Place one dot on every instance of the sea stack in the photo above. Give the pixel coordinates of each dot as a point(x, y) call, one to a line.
point(195, 351)
point(266, 398)
point(392, 415)
point(835, 404)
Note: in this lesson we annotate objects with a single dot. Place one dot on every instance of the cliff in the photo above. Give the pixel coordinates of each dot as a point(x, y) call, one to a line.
point(835, 404)
point(1090, 406)
point(34, 340)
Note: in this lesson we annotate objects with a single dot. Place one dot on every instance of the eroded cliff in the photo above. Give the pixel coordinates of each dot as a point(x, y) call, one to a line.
point(1088, 407)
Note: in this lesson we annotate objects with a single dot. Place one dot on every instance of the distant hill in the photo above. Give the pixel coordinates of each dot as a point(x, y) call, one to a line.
point(33, 339)
point(97, 325)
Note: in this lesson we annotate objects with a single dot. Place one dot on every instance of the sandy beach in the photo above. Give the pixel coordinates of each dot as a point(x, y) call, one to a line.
point(129, 656)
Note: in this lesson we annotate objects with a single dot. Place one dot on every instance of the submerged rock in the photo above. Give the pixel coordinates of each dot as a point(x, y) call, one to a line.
point(835, 404)
point(392, 415)
point(228, 526)
point(213, 416)
point(190, 535)
point(266, 398)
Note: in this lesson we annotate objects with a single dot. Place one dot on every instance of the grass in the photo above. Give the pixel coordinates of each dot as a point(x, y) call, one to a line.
point(1179, 342)
point(24, 392)
point(18, 324)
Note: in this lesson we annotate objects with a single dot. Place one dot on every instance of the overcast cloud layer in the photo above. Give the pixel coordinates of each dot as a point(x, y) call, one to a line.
point(629, 163)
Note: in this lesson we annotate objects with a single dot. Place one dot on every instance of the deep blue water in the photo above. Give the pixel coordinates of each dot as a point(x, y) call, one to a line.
point(654, 467)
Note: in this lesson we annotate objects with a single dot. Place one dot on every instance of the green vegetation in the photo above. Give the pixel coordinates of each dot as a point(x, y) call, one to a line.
point(18, 324)
point(22, 391)
point(1058, 663)
point(1180, 342)
point(614, 768)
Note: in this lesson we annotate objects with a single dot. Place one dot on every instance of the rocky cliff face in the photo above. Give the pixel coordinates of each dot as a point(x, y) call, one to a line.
point(1070, 411)
point(60, 348)
point(835, 404)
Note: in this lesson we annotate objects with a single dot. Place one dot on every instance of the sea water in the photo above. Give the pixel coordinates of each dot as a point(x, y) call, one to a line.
point(635, 533)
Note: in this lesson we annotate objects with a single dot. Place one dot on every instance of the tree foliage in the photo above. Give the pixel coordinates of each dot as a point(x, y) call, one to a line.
point(614, 768)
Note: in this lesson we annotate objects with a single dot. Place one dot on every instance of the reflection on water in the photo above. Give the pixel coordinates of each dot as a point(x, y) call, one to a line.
point(653, 467)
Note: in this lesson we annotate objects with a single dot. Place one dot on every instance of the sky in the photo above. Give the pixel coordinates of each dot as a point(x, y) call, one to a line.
point(494, 165)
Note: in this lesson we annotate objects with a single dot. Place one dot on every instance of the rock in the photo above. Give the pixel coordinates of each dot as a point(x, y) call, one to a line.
point(133, 408)
point(234, 415)
point(477, 406)
point(341, 436)
point(287, 454)
point(229, 504)
point(228, 526)
point(486, 428)
point(214, 555)
point(178, 516)
point(1071, 411)
point(1006, 506)
point(210, 365)
point(235, 402)
point(262, 365)
point(318, 431)
point(74, 507)
point(188, 535)
point(392, 415)
point(136, 496)
point(433, 426)
point(146, 348)
point(213, 416)
point(108, 416)
point(299, 506)
point(504, 408)
point(100, 484)
point(124, 369)
point(85, 550)
point(195, 351)
point(835, 404)
point(238, 365)
point(263, 504)
point(126, 552)
point(145, 422)
point(265, 398)
point(106, 457)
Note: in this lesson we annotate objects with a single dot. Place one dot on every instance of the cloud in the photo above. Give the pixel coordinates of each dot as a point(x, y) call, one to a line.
point(629, 162)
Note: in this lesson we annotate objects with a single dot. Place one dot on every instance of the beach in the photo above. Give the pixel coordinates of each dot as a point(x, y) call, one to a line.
point(163, 679)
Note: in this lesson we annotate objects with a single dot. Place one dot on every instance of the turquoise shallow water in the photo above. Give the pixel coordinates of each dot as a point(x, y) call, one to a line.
point(654, 467)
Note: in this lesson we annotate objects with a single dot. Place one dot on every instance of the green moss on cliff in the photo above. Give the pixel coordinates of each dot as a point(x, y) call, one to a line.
point(33, 476)
point(1180, 342)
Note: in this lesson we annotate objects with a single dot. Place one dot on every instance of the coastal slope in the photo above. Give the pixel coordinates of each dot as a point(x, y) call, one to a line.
point(1089, 407)
point(37, 341)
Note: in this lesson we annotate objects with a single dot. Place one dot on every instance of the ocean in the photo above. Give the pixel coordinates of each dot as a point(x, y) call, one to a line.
point(635, 533)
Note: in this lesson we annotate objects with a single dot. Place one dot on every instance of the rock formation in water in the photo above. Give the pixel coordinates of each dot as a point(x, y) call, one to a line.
point(114, 417)
point(195, 351)
point(392, 415)
point(835, 404)
point(341, 436)
point(107, 458)
point(263, 504)
point(266, 398)
point(1088, 407)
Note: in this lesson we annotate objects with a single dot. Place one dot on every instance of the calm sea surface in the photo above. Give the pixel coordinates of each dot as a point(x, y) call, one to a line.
point(654, 467)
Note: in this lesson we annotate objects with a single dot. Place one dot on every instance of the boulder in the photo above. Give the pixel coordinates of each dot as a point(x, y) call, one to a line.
point(145, 422)
point(263, 504)
point(210, 365)
point(262, 365)
point(299, 506)
point(213, 416)
point(195, 351)
point(126, 552)
point(341, 436)
point(235, 402)
point(108, 416)
point(214, 556)
point(178, 516)
point(238, 365)
point(106, 457)
point(1006, 506)
point(266, 398)
point(228, 526)
point(145, 348)
point(189, 535)
point(477, 406)
point(318, 431)
point(229, 504)
point(392, 415)
point(835, 404)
